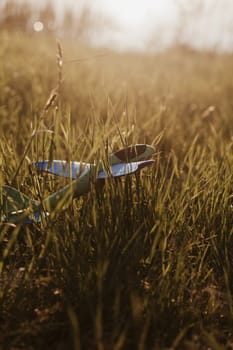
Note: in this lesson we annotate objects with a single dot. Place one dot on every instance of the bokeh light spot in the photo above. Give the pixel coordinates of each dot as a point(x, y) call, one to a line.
point(38, 26)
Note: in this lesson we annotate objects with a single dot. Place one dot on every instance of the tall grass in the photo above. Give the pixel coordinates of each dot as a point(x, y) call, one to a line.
point(142, 263)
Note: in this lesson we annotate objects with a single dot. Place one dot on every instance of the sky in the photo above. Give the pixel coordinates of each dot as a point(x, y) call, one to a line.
point(155, 24)
point(137, 21)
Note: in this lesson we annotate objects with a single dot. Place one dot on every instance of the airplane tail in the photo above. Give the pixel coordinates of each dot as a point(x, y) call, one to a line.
point(16, 206)
point(13, 200)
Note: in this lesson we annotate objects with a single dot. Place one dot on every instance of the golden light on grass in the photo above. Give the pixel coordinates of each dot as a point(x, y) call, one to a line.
point(112, 269)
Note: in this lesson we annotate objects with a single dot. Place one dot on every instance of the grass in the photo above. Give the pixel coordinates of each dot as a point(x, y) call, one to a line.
point(145, 263)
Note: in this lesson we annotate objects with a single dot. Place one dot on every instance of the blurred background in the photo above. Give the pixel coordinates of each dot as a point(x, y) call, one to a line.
point(126, 25)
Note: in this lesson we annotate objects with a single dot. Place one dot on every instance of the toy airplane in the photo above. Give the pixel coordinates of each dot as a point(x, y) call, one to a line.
point(17, 207)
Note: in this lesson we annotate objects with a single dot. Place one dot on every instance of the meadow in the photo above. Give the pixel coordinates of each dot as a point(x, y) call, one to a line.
point(144, 263)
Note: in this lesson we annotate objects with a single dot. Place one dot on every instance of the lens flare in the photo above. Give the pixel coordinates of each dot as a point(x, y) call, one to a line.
point(38, 26)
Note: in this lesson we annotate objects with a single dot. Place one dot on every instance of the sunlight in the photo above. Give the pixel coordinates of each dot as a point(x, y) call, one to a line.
point(132, 13)
point(38, 26)
point(142, 25)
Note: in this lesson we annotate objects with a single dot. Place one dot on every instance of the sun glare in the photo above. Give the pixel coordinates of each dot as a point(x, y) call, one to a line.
point(38, 26)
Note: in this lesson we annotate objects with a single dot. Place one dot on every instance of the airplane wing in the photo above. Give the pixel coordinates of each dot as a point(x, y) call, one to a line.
point(63, 168)
point(72, 169)
point(123, 169)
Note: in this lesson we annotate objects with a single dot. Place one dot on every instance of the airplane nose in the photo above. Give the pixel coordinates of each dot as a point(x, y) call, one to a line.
point(134, 152)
